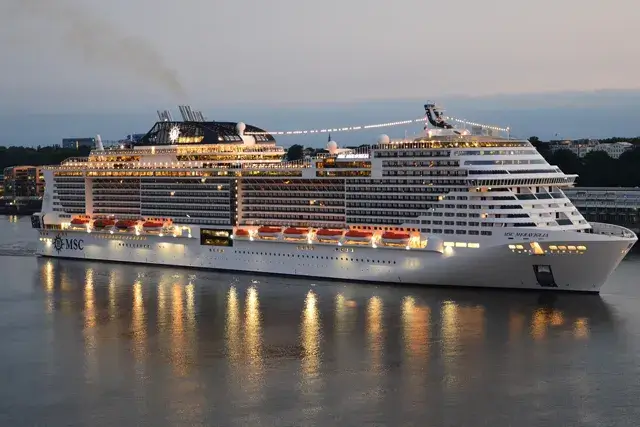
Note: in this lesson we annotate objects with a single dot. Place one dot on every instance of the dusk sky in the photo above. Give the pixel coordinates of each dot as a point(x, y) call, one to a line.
point(74, 55)
point(81, 67)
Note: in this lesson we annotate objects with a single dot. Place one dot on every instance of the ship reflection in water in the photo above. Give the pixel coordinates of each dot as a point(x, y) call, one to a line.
point(196, 349)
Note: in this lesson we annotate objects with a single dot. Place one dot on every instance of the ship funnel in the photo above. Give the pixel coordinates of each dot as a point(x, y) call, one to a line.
point(99, 145)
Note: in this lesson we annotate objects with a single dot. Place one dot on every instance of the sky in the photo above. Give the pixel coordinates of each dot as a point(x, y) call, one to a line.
point(136, 56)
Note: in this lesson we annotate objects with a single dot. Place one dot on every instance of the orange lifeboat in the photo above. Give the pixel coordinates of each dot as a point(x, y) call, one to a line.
point(150, 226)
point(241, 233)
point(358, 236)
point(102, 223)
point(79, 221)
point(395, 238)
point(326, 234)
point(269, 232)
point(295, 233)
point(125, 224)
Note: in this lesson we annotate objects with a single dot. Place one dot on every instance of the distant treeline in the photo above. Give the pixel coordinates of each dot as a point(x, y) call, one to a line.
point(22, 156)
point(596, 168)
point(635, 140)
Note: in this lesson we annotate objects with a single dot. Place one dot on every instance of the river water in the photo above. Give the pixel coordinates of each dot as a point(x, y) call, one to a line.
point(100, 344)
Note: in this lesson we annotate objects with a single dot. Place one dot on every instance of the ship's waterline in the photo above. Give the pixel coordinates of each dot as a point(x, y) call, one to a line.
point(492, 264)
point(448, 207)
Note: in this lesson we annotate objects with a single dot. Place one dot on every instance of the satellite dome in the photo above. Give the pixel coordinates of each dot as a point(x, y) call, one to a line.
point(383, 139)
point(240, 127)
point(248, 140)
point(332, 146)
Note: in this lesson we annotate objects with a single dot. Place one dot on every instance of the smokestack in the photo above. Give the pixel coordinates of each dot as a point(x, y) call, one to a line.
point(190, 114)
point(99, 145)
point(183, 113)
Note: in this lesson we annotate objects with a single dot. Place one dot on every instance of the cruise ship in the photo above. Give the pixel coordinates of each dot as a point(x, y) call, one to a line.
point(448, 206)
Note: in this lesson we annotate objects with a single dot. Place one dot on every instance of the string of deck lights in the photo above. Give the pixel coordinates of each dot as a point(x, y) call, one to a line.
point(371, 126)
point(343, 129)
point(464, 122)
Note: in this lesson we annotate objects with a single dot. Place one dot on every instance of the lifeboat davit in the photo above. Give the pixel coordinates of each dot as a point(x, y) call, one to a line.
point(99, 224)
point(150, 226)
point(395, 238)
point(325, 234)
point(296, 233)
point(358, 236)
point(241, 233)
point(269, 232)
point(125, 224)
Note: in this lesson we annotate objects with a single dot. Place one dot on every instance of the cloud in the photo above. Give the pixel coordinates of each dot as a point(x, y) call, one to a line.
point(91, 37)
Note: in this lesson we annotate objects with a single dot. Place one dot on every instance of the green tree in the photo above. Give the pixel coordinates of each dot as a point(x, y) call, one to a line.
point(628, 168)
point(567, 161)
point(295, 152)
point(598, 170)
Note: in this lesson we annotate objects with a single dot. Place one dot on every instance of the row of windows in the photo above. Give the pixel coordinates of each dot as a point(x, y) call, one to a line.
point(494, 152)
point(343, 173)
point(277, 207)
point(132, 245)
point(400, 190)
point(246, 201)
point(519, 182)
point(297, 218)
point(425, 172)
point(421, 153)
point(458, 232)
point(506, 162)
point(369, 260)
point(184, 199)
point(417, 163)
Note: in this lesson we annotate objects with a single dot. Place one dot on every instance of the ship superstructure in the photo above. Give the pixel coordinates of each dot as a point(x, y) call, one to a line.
point(446, 207)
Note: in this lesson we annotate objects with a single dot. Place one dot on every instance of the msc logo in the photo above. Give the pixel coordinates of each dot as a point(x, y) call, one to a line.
point(69, 244)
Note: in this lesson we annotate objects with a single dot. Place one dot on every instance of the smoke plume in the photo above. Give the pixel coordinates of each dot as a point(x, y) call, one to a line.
point(93, 38)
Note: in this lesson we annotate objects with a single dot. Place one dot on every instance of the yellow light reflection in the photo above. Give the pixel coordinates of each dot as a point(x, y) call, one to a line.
point(539, 324)
point(415, 332)
point(375, 333)
point(253, 337)
point(345, 318)
point(191, 308)
point(49, 284)
point(162, 307)
point(138, 326)
point(581, 328)
point(340, 312)
point(113, 295)
point(450, 323)
point(310, 335)
point(460, 326)
point(90, 341)
point(232, 327)
point(178, 348)
point(415, 322)
point(557, 319)
point(89, 300)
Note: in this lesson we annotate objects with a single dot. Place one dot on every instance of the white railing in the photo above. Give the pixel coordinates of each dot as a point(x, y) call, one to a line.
point(612, 230)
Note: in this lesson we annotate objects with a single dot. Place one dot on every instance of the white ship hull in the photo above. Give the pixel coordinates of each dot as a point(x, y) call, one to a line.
point(492, 266)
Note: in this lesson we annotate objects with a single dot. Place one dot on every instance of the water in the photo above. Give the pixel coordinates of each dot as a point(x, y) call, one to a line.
point(99, 344)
